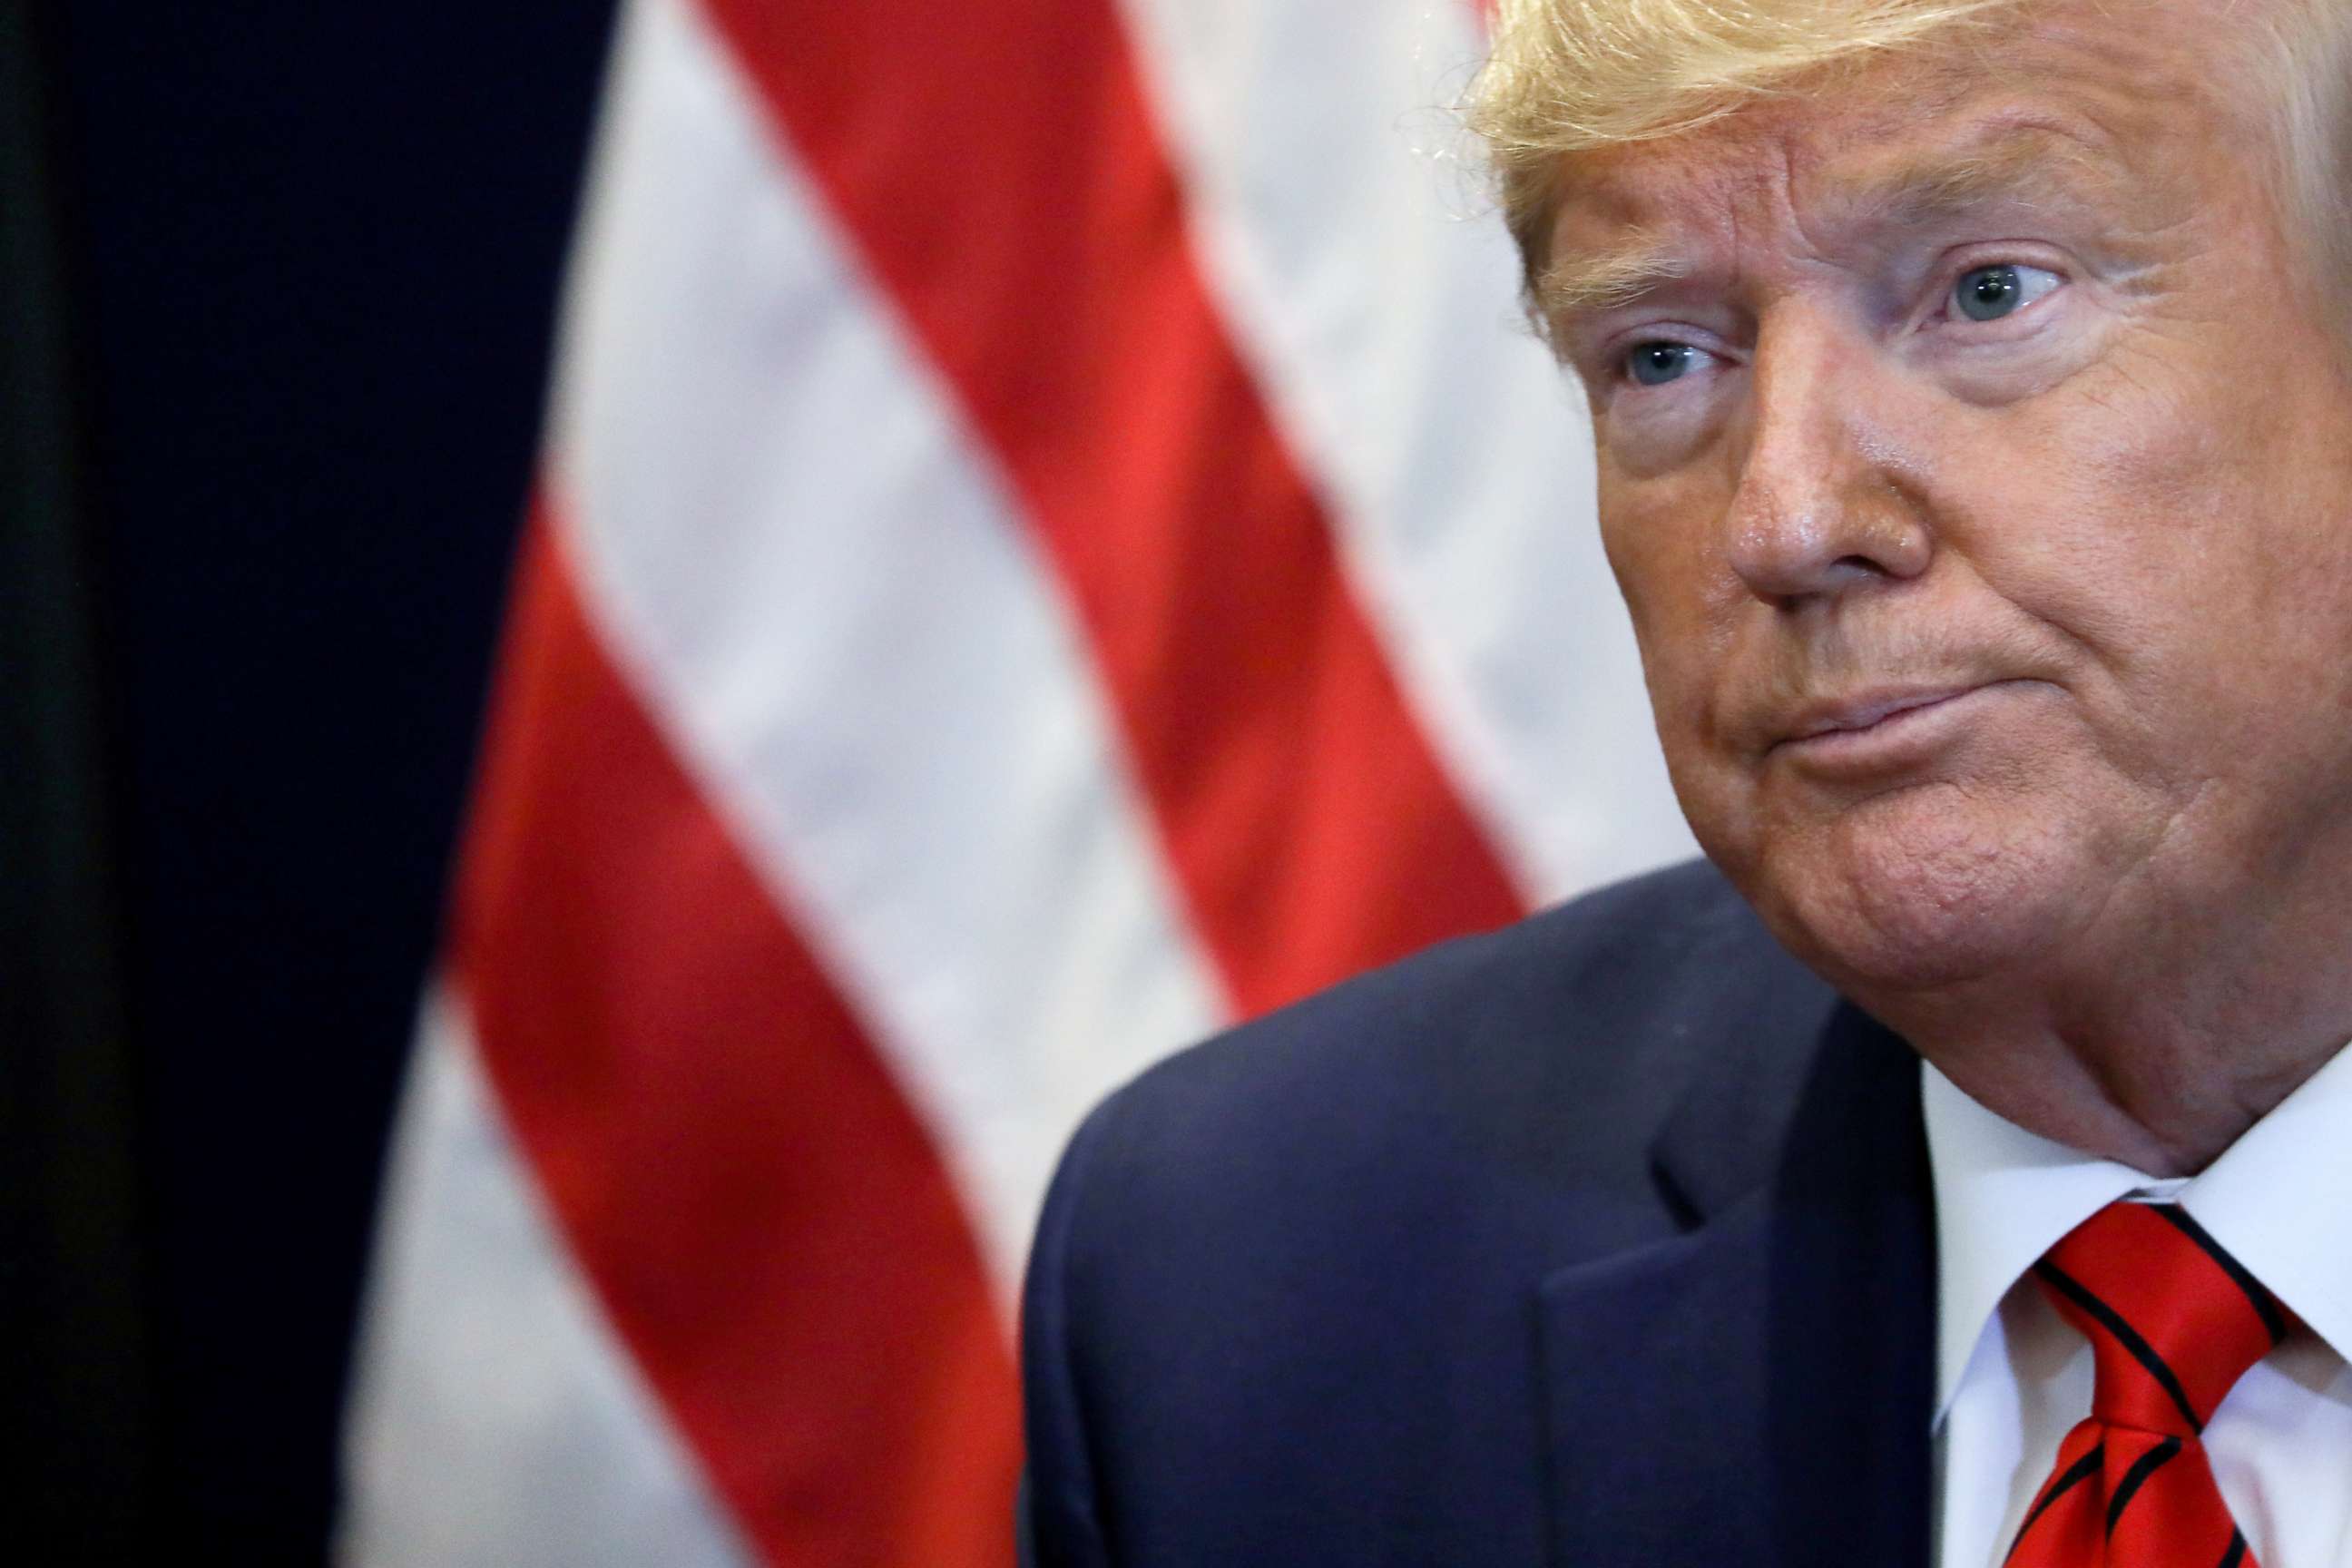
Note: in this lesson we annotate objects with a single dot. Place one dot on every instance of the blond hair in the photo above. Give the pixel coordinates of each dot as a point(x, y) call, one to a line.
point(1567, 77)
point(2310, 50)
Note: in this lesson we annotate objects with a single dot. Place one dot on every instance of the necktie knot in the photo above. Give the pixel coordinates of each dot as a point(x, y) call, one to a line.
point(2173, 1322)
point(2173, 1319)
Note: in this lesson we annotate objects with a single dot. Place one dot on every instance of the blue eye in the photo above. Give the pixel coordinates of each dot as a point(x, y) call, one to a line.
point(1658, 363)
point(1989, 293)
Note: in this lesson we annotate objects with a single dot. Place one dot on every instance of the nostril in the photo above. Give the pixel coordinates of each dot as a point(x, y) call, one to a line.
point(1786, 554)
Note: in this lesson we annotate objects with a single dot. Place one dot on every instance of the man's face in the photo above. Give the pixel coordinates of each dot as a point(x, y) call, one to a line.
point(1980, 484)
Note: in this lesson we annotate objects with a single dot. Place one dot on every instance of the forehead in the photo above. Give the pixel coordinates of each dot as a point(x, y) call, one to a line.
point(2096, 101)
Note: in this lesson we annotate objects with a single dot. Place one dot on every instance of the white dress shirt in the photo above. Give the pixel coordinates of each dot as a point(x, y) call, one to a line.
point(2011, 1377)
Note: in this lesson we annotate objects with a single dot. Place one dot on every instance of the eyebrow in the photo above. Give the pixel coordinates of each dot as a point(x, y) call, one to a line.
point(1588, 280)
point(2031, 165)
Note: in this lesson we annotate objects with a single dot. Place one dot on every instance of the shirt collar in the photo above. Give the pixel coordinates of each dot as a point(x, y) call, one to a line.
point(2275, 1200)
point(2005, 1196)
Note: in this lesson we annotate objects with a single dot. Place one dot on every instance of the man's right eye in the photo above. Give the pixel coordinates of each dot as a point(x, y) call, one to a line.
point(1656, 362)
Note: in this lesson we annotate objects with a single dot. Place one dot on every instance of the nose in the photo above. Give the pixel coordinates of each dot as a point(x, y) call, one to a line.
point(1821, 505)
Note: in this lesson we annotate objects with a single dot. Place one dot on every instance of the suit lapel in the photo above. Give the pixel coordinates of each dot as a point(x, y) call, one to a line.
point(1757, 1390)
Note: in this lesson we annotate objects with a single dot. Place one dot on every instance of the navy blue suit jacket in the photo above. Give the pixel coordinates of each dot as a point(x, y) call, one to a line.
point(1606, 1238)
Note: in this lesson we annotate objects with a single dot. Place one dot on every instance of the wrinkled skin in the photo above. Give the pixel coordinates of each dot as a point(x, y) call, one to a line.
point(2092, 517)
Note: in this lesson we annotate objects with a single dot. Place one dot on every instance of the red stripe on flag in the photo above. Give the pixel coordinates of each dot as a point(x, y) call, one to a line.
point(767, 1225)
point(997, 166)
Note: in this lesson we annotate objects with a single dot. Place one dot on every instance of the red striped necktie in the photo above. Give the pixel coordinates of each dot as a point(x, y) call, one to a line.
point(2173, 1322)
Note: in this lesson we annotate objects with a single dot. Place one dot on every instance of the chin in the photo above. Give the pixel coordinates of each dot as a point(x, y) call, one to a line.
point(1918, 891)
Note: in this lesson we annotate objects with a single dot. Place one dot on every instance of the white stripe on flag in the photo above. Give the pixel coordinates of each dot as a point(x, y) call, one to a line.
point(1375, 296)
point(824, 593)
point(494, 1417)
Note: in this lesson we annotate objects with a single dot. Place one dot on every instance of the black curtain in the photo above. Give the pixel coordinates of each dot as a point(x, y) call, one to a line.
point(279, 282)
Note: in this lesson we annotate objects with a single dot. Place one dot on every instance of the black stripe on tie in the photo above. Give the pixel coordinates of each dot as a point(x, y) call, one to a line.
point(2237, 1553)
point(2146, 1465)
point(2263, 1301)
point(2080, 1471)
point(2125, 1334)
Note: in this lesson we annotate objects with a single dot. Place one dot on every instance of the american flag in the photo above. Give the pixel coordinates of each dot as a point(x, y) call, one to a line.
point(1050, 539)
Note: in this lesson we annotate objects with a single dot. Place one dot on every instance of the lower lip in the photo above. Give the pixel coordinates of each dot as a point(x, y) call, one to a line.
point(1903, 738)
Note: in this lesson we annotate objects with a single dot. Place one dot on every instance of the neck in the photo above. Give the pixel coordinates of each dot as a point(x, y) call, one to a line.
point(2165, 1110)
point(2157, 1056)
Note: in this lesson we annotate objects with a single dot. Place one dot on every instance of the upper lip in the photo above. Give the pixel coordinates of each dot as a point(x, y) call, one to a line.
point(1862, 710)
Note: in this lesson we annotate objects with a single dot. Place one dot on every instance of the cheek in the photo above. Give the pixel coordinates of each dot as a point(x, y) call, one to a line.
point(1672, 590)
point(2117, 516)
point(1662, 572)
point(1658, 536)
point(2163, 524)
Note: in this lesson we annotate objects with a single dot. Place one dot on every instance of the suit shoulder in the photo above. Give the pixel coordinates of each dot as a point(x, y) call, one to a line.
point(1620, 972)
point(1271, 1266)
point(1563, 1039)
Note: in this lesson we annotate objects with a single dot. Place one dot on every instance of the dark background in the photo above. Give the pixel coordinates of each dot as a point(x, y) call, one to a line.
point(277, 284)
